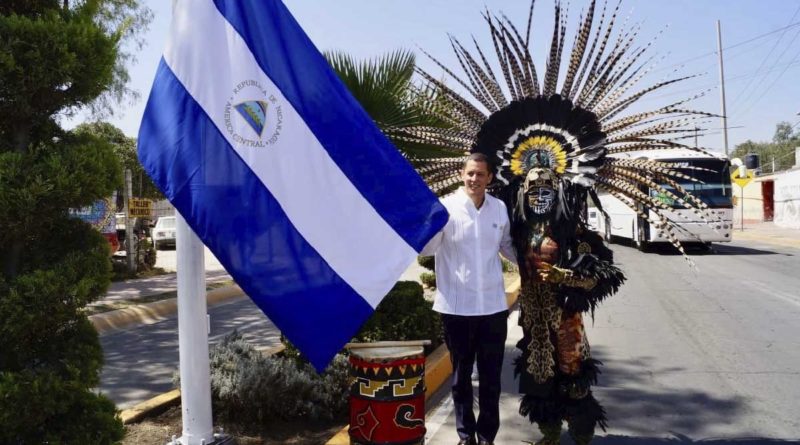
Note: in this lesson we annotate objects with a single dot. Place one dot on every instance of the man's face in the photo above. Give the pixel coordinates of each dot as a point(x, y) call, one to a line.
point(476, 177)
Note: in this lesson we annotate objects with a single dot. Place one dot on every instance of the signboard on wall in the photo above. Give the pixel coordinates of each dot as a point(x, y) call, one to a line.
point(140, 208)
point(100, 214)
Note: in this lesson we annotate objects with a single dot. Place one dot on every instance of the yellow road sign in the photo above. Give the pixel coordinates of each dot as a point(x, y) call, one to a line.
point(139, 207)
point(742, 181)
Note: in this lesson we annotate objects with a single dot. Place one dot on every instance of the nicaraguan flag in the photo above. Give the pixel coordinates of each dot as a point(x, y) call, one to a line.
point(279, 171)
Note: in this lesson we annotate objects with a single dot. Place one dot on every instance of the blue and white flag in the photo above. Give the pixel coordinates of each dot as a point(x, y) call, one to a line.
point(280, 172)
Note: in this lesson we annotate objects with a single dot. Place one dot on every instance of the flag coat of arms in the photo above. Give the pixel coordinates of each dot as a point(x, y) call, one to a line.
point(280, 172)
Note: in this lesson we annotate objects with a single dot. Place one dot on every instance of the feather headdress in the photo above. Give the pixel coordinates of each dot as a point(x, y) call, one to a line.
point(521, 120)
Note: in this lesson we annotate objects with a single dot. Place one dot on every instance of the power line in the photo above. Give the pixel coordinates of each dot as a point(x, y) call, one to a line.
point(765, 91)
point(764, 60)
point(715, 85)
point(744, 42)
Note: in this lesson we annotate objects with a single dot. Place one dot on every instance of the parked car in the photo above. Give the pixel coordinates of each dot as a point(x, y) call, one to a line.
point(164, 232)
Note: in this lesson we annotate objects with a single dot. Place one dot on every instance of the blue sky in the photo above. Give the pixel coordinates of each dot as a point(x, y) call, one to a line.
point(762, 86)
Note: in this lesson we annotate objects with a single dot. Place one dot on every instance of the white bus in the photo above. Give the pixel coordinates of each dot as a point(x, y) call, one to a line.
point(713, 188)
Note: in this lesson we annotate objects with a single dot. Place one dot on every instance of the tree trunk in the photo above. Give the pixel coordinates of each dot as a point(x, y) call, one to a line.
point(11, 262)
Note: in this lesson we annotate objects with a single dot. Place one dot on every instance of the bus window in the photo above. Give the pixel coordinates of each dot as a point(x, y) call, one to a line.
point(713, 188)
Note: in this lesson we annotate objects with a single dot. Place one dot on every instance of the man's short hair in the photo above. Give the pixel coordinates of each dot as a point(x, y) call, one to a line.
point(479, 157)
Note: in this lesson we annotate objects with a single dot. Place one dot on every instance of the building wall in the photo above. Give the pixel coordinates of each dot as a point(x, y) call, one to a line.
point(787, 199)
point(163, 208)
point(753, 203)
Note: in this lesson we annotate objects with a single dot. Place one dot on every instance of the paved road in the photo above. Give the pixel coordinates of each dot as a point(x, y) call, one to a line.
point(688, 356)
point(140, 362)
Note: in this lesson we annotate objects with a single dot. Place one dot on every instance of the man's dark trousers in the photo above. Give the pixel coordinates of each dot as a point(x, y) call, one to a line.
point(482, 337)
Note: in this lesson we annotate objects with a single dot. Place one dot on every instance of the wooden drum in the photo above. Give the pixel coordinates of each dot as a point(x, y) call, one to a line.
point(387, 396)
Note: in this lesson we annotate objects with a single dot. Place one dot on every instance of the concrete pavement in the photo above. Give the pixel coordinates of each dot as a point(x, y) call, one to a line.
point(767, 232)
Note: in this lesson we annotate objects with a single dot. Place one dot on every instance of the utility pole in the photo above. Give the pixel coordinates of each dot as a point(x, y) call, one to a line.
point(695, 136)
point(130, 249)
point(722, 89)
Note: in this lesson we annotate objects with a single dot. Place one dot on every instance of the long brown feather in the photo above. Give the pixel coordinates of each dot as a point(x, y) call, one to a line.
point(494, 85)
point(578, 49)
point(553, 62)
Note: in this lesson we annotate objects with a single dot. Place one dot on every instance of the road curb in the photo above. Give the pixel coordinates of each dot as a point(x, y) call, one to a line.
point(438, 368)
point(156, 405)
point(156, 311)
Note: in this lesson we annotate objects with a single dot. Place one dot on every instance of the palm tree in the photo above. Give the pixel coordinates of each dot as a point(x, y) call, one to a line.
point(385, 88)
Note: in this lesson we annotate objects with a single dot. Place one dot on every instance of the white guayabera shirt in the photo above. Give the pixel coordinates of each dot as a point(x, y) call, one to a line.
point(469, 275)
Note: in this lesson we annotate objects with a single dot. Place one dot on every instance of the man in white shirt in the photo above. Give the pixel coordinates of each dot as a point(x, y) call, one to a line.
point(470, 295)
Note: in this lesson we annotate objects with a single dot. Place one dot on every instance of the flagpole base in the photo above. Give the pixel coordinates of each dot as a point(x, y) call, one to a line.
point(219, 439)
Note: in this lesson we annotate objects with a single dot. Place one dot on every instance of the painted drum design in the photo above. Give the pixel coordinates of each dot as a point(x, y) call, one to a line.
point(387, 396)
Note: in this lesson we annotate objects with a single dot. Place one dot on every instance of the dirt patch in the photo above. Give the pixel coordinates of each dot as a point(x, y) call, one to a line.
point(159, 430)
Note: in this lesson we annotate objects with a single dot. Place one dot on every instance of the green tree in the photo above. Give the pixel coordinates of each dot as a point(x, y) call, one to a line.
point(386, 89)
point(781, 149)
point(56, 57)
point(125, 149)
point(784, 134)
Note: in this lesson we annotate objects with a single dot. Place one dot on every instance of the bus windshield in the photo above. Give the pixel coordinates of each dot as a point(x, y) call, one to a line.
point(713, 186)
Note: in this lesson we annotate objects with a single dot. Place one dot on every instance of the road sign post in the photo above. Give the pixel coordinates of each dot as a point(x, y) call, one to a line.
point(742, 181)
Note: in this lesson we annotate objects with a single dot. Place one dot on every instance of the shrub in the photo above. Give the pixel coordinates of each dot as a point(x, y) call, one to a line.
point(428, 279)
point(249, 389)
point(404, 314)
point(146, 255)
point(427, 262)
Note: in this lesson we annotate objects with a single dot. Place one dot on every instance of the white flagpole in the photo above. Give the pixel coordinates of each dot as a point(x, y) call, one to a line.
point(193, 337)
point(193, 327)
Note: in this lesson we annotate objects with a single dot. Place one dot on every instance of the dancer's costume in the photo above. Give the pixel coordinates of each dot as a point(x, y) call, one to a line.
point(553, 147)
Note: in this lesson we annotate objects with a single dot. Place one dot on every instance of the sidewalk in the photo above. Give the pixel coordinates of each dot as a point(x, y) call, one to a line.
point(131, 290)
point(767, 232)
point(135, 308)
